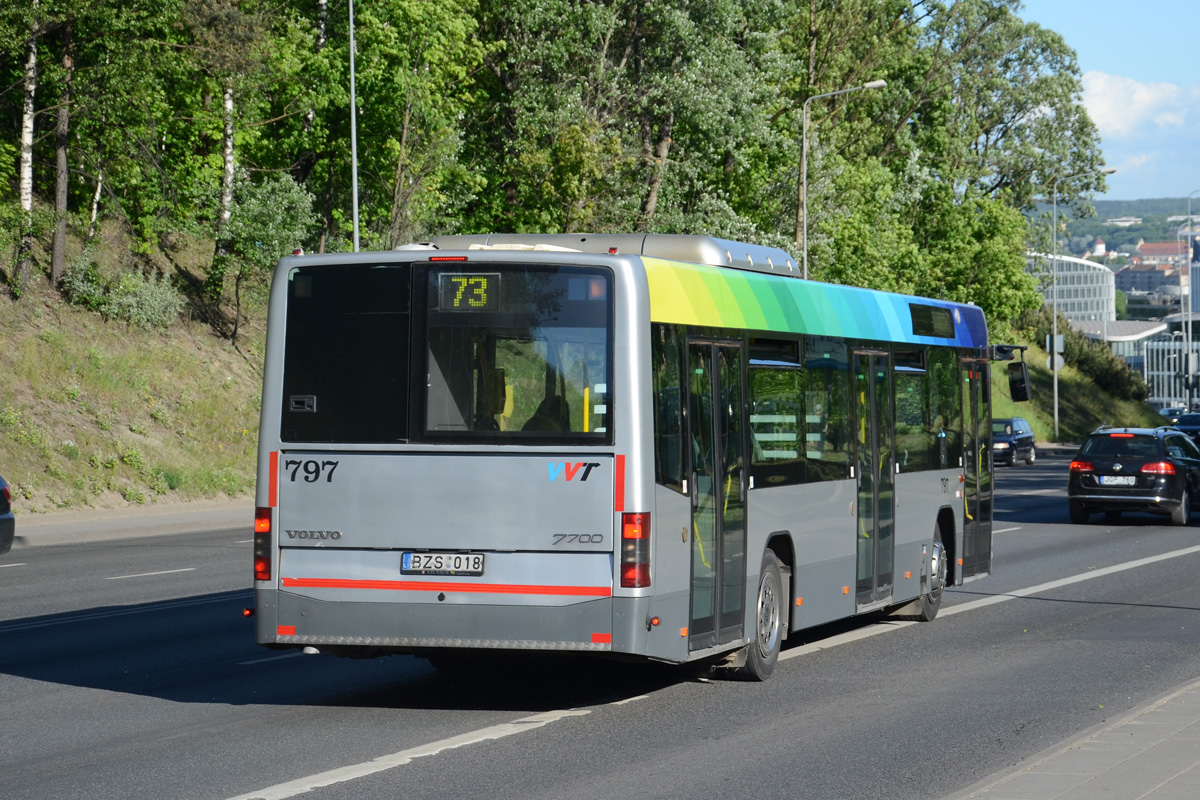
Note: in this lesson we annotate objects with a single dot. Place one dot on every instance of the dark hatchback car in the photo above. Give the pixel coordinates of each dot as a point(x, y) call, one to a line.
point(1156, 470)
point(1189, 424)
point(7, 523)
point(1012, 441)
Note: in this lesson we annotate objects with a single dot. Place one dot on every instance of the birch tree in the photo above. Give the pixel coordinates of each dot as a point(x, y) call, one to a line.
point(25, 191)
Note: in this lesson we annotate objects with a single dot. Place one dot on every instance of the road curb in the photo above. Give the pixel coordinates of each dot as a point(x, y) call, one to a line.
point(93, 525)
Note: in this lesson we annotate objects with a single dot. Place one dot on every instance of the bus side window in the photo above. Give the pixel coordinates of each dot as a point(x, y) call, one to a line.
point(666, 354)
point(915, 436)
point(944, 408)
point(776, 426)
point(826, 409)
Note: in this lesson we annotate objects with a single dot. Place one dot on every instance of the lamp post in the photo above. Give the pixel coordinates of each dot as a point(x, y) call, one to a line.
point(1180, 367)
point(1054, 284)
point(1185, 263)
point(353, 133)
point(803, 226)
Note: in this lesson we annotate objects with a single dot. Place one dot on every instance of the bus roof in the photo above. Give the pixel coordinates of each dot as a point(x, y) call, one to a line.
point(751, 292)
point(674, 247)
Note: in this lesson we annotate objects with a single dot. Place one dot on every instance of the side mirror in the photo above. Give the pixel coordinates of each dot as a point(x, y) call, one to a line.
point(1018, 381)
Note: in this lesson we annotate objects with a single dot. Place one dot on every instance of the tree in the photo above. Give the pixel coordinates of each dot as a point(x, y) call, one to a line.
point(25, 253)
point(62, 130)
point(268, 220)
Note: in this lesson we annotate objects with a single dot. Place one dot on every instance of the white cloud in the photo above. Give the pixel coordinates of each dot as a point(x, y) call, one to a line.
point(1122, 107)
point(1134, 161)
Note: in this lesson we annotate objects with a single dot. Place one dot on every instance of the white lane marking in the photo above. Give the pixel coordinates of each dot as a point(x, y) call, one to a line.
point(1086, 576)
point(148, 574)
point(1046, 491)
point(243, 541)
point(629, 700)
point(887, 626)
point(322, 779)
point(296, 654)
point(1008, 530)
point(300, 786)
point(2, 566)
point(845, 638)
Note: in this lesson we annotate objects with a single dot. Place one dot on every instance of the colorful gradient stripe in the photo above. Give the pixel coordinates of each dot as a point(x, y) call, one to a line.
point(692, 294)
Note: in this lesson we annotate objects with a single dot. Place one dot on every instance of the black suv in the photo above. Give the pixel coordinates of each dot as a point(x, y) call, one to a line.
point(1156, 470)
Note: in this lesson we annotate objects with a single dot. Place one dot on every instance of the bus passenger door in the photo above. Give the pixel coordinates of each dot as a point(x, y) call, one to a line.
point(718, 491)
point(875, 470)
point(977, 468)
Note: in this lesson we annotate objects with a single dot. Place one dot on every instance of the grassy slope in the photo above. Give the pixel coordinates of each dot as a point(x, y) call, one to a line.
point(98, 413)
point(1081, 406)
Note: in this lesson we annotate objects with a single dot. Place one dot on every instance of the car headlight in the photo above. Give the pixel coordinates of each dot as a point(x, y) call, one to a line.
point(1000, 446)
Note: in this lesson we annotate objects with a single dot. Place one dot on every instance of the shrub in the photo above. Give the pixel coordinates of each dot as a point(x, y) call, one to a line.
point(1094, 359)
point(147, 303)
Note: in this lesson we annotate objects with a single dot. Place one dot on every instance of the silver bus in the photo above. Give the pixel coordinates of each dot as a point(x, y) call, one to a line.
point(651, 446)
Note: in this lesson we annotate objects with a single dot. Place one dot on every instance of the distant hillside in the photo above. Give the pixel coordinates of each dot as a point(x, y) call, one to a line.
point(1158, 207)
point(1080, 233)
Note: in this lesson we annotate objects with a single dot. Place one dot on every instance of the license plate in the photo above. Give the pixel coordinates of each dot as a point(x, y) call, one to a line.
point(441, 563)
point(1118, 480)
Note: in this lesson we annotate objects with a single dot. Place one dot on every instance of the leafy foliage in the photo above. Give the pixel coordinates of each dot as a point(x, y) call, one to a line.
point(560, 115)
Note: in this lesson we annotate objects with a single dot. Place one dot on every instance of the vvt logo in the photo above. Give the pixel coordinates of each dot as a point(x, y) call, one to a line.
point(570, 470)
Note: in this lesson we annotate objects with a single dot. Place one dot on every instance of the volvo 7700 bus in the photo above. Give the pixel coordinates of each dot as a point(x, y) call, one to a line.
point(651, 446)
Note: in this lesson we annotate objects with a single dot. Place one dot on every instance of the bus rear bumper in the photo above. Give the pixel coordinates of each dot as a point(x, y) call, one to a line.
point(303, 621)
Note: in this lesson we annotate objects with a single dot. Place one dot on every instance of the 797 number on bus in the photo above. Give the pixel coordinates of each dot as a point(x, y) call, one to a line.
point(313, 470)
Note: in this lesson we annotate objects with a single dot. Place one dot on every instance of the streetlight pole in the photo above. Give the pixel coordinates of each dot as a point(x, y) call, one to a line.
point(803, 226)
point(1186, 264)
point(1054, 284)
point(353, 133)
point(1180, 371)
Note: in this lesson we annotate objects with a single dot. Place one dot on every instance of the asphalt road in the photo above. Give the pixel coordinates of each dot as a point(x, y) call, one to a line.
point(127, 671)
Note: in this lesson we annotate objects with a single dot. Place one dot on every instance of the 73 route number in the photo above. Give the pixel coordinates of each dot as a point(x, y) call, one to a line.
point(313, 470)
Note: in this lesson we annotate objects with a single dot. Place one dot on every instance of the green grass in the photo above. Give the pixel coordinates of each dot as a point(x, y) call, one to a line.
point(99, 413)
point(1081, 406)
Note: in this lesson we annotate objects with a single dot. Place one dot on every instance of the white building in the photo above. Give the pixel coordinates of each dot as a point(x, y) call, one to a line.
point(1085, 291)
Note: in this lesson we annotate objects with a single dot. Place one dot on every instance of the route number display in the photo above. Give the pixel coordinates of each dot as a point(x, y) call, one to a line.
point(458, 291)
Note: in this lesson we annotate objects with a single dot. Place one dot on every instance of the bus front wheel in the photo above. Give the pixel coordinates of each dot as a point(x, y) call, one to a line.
point(763, 650)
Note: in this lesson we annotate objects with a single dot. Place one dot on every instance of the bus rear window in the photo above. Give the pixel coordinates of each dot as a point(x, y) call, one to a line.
point(346, 363)
point(518, 353)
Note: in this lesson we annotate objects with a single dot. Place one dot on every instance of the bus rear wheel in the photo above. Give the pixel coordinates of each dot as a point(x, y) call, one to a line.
point(763, 650)
point(938, 569)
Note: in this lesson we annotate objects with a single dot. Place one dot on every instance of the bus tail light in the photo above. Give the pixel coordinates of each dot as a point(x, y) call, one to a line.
point(635, 550)
point(262, 544)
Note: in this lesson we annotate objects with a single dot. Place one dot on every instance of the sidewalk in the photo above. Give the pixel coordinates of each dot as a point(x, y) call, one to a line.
point(1151, 753)
point(93, 525)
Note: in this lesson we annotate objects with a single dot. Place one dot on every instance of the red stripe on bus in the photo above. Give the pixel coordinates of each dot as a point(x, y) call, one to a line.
point(446, 586)
point(619, 485)
point(273, 481)
point(286, 630)
point(601, 638)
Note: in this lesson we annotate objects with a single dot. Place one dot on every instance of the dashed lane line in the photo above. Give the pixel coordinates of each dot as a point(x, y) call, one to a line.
point(150, 574)
point(321, 779)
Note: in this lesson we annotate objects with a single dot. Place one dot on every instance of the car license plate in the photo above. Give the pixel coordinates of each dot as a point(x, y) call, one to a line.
point(441, 563)
point(1118, 480)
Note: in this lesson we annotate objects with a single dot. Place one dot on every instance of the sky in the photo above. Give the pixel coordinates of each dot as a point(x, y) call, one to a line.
point(1140, 64)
